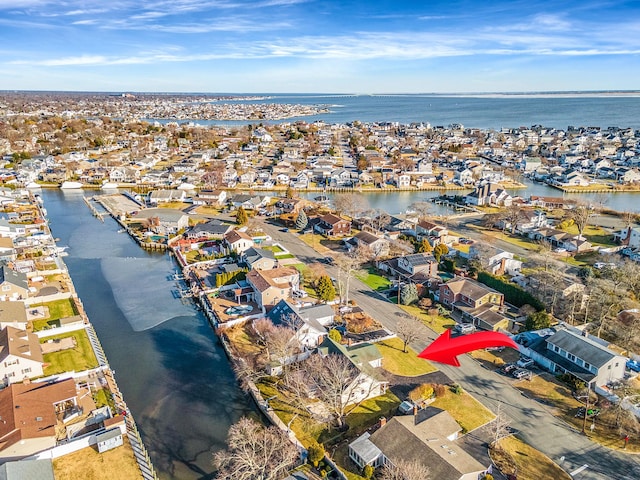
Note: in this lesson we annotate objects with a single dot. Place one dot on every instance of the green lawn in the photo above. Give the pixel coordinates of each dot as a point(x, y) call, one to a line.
point(437, 323)
point(465, 409)
point(582, 259)
point(374, 280)
point(596, 235)
point(284, 255)
point(273, 248)
point(79, 358)
point(59, 309)
point(399, 363)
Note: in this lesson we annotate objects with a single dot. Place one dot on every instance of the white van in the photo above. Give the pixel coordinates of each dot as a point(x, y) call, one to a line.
point(464, 328)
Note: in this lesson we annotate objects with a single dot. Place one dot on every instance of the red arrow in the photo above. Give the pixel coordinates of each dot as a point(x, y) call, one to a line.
point(445, 349)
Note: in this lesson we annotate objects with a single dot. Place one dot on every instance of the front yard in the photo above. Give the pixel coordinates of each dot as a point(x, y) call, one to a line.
point(399, 363)
point(529, 463)
point(374, 280)
point(437, 323)
point(465, 409)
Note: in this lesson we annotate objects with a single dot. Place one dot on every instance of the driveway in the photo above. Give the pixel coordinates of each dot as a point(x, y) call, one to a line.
point(537, 426)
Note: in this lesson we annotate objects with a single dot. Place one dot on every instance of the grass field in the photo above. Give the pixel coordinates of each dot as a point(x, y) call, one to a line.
point(529, 462)
point(596, 235)
point(79, 358)
point(399, 363)
point(465, 409)
point(88, 464)
point(59, 309)
point(373, 280)
point(437, 323)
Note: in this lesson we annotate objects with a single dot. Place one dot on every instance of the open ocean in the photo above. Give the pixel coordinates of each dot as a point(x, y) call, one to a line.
point(477, 111)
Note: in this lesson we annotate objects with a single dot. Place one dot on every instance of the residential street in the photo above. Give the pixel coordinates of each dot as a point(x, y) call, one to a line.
point(537, 426)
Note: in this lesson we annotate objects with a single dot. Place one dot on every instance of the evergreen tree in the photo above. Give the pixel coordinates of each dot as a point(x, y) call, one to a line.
point(316, 453)
point(537, 321)
point(325, 289)
point(241, 216)
point(408, 294)
point(302, 221)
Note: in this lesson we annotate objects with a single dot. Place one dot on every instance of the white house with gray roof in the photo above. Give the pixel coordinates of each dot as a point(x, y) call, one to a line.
point(570, 351)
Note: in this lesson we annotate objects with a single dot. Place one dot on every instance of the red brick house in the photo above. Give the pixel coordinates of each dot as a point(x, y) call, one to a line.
point(331, 225)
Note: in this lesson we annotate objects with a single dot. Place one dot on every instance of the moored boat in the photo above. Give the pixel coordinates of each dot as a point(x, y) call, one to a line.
point(70, 185)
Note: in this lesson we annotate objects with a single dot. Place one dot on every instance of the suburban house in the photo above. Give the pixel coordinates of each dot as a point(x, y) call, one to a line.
point(211, 230)
point(164, 221)
point(271, 286)
point(210, 197)
point(30, 414)
point(435, 233)
point(13, 285)
point(7, 250)
point(366, 358)
point(417, 267)
point(332, 225)
point(309, 322)
point(258, 259)
point(249, 202)
point(11, 230)
point(489, 194)
point(13, 314)
point(427, 437)
point(476, 303)
point(629, 236)
point(238, 241)
point(289, 205)
point(379, 246)
point(574, 352)
point(20, 355)
point(495, 260)
point(560, 239)
point(167, 196)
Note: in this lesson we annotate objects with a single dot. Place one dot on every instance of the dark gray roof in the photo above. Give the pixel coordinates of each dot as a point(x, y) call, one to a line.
point(319, 310)
point(215, 227)
point(13, 277)
point(286, 314)
point(582, 347)
point(420, 259)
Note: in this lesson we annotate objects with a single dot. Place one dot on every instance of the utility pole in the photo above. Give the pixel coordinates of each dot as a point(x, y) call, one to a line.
point(586, 409)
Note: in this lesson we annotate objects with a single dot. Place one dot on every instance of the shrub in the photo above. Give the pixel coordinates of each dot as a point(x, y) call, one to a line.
point(439, 389)
point(421, 392)
point(335, 335)
point(367, 471)
point(316, 453)
point(457, 389)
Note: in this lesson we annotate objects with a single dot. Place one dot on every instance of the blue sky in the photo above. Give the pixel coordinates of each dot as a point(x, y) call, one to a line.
point(348, 46)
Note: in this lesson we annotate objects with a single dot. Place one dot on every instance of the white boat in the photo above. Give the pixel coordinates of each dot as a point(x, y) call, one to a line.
point(70, 185)
point(109, 186)
point(33, 186)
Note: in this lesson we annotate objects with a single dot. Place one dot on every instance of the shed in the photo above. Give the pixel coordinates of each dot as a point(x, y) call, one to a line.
point(109, 440)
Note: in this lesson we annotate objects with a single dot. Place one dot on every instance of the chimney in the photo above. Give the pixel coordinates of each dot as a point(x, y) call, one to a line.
point(382, 421)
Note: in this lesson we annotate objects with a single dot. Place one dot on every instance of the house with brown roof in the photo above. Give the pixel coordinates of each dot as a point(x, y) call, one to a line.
point(13, 314)
point(238, 241)
point(429, 437)
point(435, 233)
point(475, 303)
point(20, 355)
point(271, 286)
point(30, 413)
point(332, 225)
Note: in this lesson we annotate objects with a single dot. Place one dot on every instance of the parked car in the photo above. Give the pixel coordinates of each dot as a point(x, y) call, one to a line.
point(525, 362)
point(464, 328)
point(633, 365)
point(509, 367)
point(521, 373)
point(328, 260)
point(285, 230)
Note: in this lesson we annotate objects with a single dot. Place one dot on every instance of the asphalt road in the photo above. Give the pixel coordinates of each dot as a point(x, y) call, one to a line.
point(537, 426)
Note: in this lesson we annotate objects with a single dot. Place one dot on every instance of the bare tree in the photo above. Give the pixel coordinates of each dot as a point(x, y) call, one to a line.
point(400, 248)
point(255, 452)
point(511, 216)
point(423, 209)
point(500, 426)
point(335, 381)
point(404, 470)
point(581, 214)
point(249, 369)
point(629, 218)
point(408, 329)
point(348, 266)
point(350, 204)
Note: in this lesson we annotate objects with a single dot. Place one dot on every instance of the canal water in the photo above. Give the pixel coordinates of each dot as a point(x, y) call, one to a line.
point(168, 364)
point(398, 202)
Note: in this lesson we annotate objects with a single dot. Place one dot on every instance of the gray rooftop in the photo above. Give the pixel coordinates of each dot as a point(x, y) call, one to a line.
point(23, 469)
point(582, 347)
